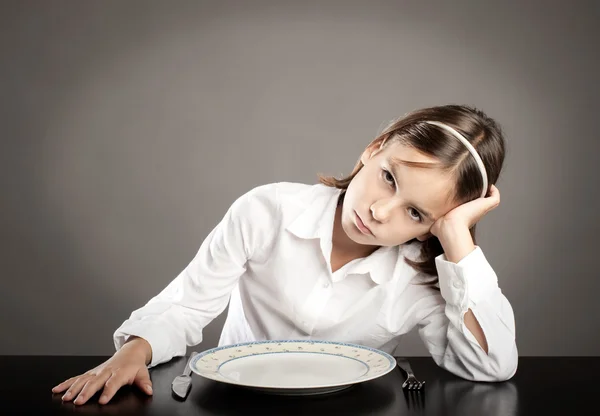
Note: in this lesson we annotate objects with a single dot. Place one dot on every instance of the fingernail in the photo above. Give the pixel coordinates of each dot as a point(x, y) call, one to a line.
point(66, 396)
point(149, 389)
point(103, 399)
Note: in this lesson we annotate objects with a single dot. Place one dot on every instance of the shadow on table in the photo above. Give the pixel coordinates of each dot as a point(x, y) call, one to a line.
point(449, 397)
point(222, 399)
point(462, 397)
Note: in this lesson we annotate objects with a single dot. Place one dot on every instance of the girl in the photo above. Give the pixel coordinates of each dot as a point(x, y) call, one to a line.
point(362, 259)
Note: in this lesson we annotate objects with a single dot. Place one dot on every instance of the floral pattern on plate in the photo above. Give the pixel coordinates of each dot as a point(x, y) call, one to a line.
point(377, 363)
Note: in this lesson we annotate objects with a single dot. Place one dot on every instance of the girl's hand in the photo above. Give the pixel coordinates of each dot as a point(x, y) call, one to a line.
point(468, 214)
point(126, 366)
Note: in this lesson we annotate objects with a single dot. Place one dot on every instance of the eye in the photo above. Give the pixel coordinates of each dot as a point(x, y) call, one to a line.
point(388, 177)
point(417, 217)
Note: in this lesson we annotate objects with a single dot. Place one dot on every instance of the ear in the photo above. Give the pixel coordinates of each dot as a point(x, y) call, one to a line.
point(424, 237)
point(372, 149)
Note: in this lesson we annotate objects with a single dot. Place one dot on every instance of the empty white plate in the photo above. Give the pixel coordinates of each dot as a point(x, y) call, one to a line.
point(293, 366)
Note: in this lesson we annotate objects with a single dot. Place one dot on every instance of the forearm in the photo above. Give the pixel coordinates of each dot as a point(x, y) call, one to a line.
point(457, 243)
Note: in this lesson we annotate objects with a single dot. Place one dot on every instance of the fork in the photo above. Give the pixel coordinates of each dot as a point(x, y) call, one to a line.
point(411, 382)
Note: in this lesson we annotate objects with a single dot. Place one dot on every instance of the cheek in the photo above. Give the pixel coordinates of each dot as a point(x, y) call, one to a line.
point(368, 187)
point(355, 191)
point(402, 229)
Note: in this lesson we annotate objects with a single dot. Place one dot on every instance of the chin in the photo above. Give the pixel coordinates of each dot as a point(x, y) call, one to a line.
point(359, 238)
point(353, 234)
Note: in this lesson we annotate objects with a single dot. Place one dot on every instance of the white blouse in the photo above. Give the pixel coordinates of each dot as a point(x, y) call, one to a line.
point(269, 258)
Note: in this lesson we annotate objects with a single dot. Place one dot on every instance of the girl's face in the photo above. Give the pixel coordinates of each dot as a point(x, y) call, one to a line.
point(388, 204)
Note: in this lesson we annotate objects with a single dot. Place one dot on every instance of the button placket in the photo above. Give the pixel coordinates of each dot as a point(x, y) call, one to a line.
point(314, 305)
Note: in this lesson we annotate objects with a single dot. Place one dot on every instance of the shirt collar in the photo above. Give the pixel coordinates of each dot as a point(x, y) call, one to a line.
point(315, 220)
point(317, 213)
point(380, 265)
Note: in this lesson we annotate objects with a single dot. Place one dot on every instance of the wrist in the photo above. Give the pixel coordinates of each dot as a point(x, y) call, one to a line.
point(449, 229)
point(456, 241)
point(138, 347)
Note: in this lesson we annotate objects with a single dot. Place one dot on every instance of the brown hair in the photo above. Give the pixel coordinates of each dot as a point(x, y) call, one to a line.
point(484, 134)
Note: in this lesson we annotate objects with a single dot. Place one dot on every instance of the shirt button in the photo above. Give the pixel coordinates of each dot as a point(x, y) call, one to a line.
point(326, 284)
point(457, 284)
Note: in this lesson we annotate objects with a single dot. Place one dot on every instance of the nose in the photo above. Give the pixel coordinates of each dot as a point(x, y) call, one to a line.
point(382, 209)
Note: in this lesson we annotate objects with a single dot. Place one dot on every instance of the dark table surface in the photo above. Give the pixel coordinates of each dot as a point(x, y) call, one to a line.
point(542, 386)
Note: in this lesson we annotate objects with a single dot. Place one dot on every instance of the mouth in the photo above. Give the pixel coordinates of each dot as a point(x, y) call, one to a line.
point(361, 225)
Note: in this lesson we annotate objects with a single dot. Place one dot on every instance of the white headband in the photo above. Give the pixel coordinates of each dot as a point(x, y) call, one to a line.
point(470, 148)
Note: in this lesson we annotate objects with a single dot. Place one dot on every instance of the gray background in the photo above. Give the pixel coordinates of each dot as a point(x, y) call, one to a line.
point(129, 127)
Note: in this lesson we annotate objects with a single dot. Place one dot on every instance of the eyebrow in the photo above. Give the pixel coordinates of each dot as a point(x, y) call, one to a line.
point(395, 163)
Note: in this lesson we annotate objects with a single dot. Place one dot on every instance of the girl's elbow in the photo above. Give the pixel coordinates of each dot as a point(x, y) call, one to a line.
point(505, 367)
point(509, 370)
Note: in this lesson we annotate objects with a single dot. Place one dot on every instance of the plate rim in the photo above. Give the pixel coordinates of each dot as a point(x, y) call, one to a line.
point(199, 356)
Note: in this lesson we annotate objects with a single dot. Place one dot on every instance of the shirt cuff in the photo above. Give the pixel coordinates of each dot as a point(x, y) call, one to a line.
point(471, 280)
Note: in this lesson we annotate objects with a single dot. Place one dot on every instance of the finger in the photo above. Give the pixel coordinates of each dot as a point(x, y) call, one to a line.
point(59, 388)
point(143, 382)
point(494, 192)
point(112, 385)
point(92, 386)
point(495, 196)
point(491, 201)
point(75, 388)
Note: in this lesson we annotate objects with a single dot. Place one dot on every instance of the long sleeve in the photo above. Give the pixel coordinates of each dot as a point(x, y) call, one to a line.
point(175, 317)
point(471, 284)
